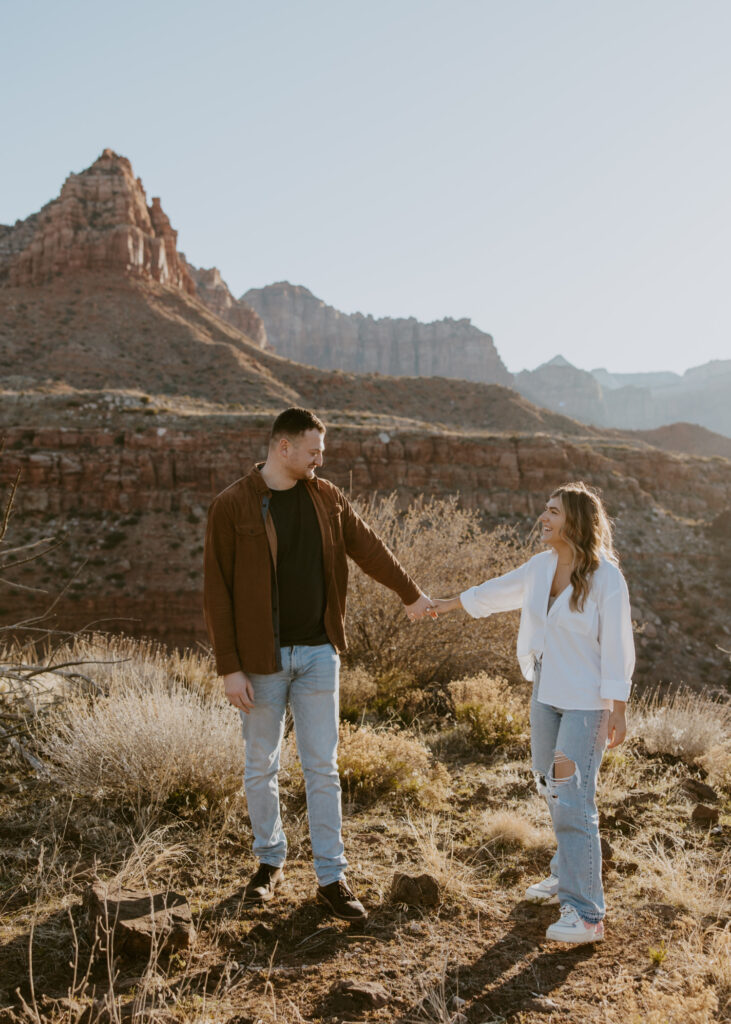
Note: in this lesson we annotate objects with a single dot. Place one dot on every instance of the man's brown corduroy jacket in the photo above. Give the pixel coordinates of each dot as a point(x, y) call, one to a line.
point(239, 601)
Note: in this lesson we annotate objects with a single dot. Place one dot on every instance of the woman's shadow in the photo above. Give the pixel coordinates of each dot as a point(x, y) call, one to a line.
point(483, 983)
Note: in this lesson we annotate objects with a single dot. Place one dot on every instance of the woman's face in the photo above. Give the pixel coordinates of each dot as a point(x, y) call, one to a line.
point(552, 520)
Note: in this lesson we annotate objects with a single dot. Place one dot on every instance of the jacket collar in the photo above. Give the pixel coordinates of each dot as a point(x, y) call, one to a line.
point(260, 484)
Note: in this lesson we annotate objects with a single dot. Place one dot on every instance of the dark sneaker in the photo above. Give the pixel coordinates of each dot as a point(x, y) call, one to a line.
point(341, 901)
point(260, 887)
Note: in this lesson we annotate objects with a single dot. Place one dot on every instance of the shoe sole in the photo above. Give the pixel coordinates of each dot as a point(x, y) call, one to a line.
point(324, 902)
point(256, 898)
point(574, 940)
point(543, 900)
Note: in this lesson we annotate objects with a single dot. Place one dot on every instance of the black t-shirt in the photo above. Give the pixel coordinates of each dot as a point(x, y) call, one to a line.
point(300, 576)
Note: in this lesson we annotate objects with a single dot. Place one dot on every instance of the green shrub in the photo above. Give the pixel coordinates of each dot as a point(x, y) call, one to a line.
point(491, 710)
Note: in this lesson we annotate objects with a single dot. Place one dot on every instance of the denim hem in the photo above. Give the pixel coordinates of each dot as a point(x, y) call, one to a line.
point(336, 878)
point(586, 920)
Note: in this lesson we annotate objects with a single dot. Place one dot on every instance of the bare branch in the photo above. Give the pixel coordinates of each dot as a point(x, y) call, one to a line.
point(9, 506)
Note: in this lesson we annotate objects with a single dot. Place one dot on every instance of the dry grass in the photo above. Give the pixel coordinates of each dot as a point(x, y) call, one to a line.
point(684, 724)
point(148, 742)
point(458, 881)
point(445, 549)
point(510, 830)
point(678, 899)
point(695, 879)
point(717, 763)
point(492, 711)
point(706, 954)
point(676, 1003)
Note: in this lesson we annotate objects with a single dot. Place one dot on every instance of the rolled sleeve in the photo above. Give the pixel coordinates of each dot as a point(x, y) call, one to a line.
point(617, 644)
point(502, 594)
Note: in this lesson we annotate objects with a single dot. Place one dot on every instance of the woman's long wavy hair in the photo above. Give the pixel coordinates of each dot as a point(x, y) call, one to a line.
point(588, 533)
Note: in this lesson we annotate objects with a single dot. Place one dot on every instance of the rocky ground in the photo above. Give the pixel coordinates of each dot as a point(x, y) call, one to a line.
point(463, 948)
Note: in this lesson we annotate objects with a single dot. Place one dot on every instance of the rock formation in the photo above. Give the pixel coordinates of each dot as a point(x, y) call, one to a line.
point(559, 385)
point(639, 401)
point(305, 329)
point(127, 495)
point(100, 222)
point(213, 291)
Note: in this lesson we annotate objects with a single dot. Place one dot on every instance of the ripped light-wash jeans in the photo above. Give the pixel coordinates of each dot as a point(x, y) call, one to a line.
point(309, 681)
point(580, 736)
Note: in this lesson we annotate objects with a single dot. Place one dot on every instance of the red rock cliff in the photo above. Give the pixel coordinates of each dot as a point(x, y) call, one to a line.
point(100, 221)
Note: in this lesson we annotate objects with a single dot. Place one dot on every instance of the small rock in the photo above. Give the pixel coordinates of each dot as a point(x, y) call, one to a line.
point(261, 933)
point(628, 867)
point(700, 790)
point(134, 919)
point(650, 630)
point(703, 815)
point(419, 891)
point(349, 993)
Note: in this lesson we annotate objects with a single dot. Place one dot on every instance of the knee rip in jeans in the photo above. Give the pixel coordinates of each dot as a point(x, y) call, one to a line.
point(551, 785)
point(563, 771)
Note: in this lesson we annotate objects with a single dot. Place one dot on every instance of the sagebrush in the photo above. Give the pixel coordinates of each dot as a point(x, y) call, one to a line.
point(445, 548)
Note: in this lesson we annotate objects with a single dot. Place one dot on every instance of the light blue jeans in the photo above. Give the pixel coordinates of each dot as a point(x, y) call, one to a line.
point(580, 736)
point(309, 680)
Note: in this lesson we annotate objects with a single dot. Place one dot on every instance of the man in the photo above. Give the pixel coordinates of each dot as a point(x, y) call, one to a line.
point(276, 576)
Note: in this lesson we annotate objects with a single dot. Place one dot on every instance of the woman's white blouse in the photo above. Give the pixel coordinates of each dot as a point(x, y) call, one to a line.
point(587, 657)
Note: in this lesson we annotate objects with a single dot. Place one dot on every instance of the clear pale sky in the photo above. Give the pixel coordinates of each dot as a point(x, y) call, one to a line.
point(559, 171)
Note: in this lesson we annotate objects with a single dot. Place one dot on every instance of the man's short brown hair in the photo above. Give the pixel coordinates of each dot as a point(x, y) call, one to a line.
point(295, 421)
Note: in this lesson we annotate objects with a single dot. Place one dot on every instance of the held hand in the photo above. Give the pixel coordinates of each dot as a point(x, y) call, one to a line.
point(239, 691)
point(421, 607)
point(442, 605)
point(617, 729)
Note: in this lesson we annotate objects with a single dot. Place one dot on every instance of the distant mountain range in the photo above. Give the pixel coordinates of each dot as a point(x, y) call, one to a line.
point(101, 223)
point(633, 401)
point(305, 329)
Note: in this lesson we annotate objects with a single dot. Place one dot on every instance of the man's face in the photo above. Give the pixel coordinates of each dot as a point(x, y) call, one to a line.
point(303, 454)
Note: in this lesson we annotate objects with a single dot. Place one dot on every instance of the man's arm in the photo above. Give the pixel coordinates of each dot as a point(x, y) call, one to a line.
point(368, 551)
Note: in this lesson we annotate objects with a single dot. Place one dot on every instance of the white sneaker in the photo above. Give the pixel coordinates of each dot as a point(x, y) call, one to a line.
point(571, 928)
point(543, 892)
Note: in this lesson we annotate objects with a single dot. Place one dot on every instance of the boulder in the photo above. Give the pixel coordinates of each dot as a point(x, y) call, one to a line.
point(137, 920)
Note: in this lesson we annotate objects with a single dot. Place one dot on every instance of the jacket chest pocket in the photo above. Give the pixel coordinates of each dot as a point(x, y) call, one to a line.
point(584, 621)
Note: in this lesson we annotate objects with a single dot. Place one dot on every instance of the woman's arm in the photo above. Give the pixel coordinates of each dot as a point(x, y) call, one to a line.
point(447, 604)
point(616, 642)
point(617, 730)
point(501, 594)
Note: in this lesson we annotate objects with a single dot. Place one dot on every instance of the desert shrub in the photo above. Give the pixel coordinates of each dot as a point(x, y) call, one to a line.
point(149, 744)
point(684, 723)
point(390, 695)
point(717, 763)
point(492, 711)
point(509, 830)
point(445, 549)
point(377, 763)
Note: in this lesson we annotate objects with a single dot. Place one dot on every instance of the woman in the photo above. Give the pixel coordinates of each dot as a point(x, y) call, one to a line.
point(575, 643)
